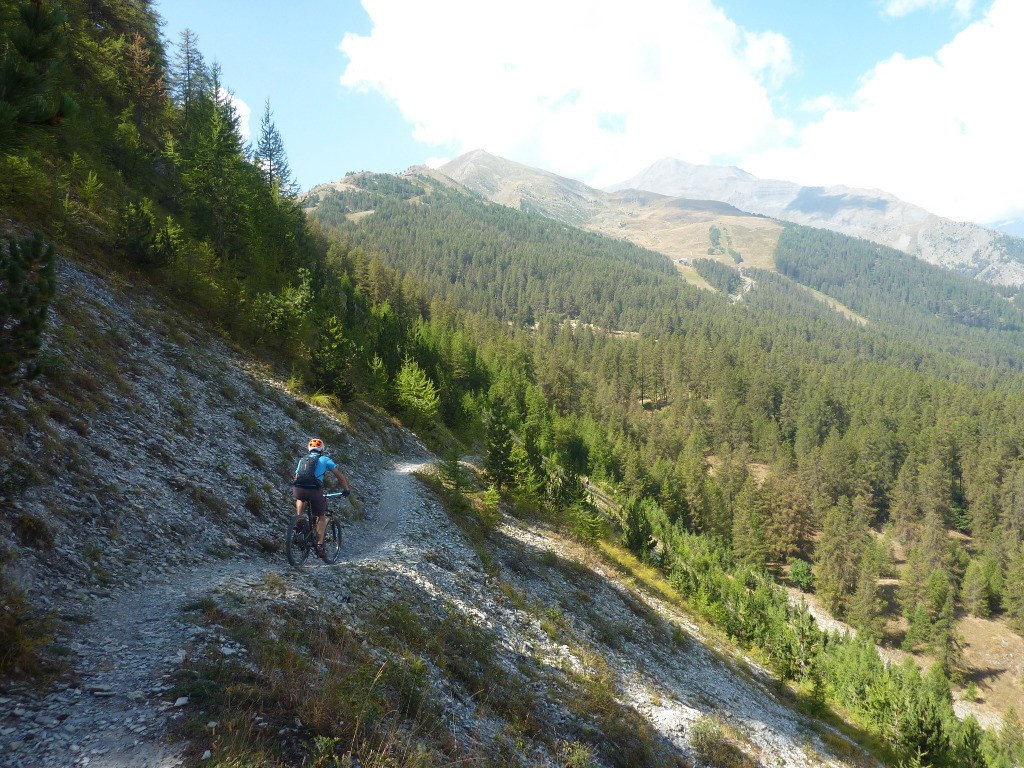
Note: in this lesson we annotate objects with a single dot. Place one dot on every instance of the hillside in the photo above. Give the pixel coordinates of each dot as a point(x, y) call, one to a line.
point(776, 428)
point(986, 254)
point(158, 559)
point(176, 322)
point(676, 228)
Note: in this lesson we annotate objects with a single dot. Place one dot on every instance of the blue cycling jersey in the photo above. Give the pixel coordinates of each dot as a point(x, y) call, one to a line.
point(323, 464)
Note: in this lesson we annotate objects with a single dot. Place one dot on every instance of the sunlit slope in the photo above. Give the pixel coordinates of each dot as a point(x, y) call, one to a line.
point(675, 227)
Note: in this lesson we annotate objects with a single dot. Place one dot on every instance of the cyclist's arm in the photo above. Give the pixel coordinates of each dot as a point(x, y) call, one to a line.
point(341, 478)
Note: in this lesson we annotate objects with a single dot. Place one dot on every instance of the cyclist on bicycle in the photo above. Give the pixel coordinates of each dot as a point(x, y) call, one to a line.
point(308, 486)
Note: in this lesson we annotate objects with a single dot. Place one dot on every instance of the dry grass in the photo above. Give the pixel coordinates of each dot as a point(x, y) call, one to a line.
point(662, 225)
point(995, 656)
point(720, 746)
point(354, 709)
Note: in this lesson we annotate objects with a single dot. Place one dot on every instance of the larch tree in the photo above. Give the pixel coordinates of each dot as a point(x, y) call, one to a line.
point(189, 75)
point(270, 156)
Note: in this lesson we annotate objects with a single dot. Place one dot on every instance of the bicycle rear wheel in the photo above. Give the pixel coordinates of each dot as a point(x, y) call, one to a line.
point(332, 540)
point(298, 541)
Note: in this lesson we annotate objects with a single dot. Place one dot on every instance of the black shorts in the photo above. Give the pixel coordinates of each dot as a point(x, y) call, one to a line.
point(315, 497)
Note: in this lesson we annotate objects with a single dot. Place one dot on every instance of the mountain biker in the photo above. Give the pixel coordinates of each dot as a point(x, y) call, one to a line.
point(308, 486)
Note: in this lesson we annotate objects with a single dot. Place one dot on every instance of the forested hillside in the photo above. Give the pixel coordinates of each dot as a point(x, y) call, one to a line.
point(946, 310)
point(774, 431)
point(503, 263)
point(739, 441)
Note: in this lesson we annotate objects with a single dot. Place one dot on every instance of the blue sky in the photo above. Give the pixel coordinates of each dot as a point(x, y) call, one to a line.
point(916, 97)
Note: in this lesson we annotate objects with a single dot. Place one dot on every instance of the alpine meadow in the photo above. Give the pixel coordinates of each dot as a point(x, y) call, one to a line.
point(587, 467)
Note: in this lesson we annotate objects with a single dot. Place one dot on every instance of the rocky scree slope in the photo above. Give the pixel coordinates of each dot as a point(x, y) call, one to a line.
point(143, 504)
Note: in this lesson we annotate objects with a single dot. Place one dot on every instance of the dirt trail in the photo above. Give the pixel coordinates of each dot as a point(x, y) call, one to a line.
point(118, 711)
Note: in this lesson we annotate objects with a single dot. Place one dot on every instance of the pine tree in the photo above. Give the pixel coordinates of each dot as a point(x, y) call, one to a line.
point(1013, 591)
point(499, 465)
point(788, 527)
point(270, 157)
point(748, 525)
point(967, 745)
point(905, 508)
point(143, 81)
point(636, 527)
point(330, 360)
point(866, 606)
point(29, 98)
point(844, 538)
point(977, 589)
point(28, 279)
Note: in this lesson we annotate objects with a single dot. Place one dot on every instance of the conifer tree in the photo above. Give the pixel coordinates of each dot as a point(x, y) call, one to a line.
point(843, 540)
point(1013, 591)
point(748, 525)
point(788, 527)
point(499, 465)
point(28, 279)
point(636, 527)
point(967, 745)
point(189, 76)
point(330, 360)
point(415, 392)
point(270, 156)
point(982, 586)
point(866, 606)
point(29, 96)
point(143, 81)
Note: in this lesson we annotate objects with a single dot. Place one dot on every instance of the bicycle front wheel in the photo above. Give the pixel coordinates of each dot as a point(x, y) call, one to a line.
point(332, 541)
point(297, 540)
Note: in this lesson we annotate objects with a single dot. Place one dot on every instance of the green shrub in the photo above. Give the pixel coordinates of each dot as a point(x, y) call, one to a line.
point(801, 575)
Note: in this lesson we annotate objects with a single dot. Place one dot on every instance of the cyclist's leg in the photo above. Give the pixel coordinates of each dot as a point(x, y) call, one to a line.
point(300, 498)
point(318, 508)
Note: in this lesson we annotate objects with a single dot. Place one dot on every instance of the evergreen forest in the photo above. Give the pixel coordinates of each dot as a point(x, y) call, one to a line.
point(745, 445)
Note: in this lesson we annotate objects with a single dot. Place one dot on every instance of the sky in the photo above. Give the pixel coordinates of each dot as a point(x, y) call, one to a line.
point(920, 98)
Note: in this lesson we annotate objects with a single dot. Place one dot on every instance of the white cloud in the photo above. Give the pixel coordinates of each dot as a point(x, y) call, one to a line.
point(942, 132)
point(897, 8)
point(596, 90)
point(592, 89)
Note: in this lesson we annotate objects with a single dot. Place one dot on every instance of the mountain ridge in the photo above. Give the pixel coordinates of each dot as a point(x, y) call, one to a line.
point(679, 230)
point(982, 252)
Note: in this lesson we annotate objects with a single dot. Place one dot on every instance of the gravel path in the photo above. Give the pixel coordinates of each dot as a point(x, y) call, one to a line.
point(118, 711)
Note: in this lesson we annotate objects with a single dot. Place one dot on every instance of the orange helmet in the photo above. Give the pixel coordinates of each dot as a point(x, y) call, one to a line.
point(316, 444)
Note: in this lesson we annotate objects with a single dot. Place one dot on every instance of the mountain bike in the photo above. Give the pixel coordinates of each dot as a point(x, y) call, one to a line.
point(300, 539)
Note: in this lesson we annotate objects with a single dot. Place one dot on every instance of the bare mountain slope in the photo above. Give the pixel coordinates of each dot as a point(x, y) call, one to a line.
point(680, 229)
point(150, 535)
point(874, 215)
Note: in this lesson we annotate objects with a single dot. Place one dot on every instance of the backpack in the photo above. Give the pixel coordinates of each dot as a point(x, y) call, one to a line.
point(306, 477)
